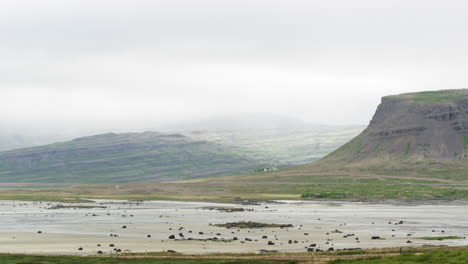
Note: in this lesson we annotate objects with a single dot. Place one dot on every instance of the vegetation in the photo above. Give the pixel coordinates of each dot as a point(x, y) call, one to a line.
point(284, 145)
point(120, 158)
point(433, 257)
point(441, 238)
point(285, 184)
point(350, 252)
point(382, 191)
point(22, 259)
point(439, 255)
point(61, 206)
point(250, 224)
point(443, 96)
point(152, 156)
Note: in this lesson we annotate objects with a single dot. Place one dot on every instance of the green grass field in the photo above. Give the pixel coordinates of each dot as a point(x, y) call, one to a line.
point(441, 255)
point(284, 184)
point(26, 259)
point(435, 257)
point(441, 238)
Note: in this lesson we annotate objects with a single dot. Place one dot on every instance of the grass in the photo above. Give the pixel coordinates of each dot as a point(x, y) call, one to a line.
point(282, 185)
point(143, 157)
point(450, 170)
point(27, 259)
point(121, 158)
point(441, 238)
point(425, 182)
point(443, 96)
point(449, 255)
point(37, 197)
point(350, 253)
point(249, 224)
point(381, 191)
point(434, 257)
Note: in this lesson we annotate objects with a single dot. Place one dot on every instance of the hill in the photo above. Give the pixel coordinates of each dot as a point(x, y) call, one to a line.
point(413, 149)
point(128, 157)
point(294, 145)
point(254, 143)
point(410, 129)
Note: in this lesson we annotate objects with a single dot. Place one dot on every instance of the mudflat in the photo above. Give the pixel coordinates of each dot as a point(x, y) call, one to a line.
point(113, 226)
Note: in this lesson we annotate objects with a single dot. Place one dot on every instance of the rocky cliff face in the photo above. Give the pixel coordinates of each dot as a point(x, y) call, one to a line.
point(413, 127)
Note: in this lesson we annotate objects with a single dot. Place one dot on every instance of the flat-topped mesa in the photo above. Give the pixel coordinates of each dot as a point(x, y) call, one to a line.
point(413, 127)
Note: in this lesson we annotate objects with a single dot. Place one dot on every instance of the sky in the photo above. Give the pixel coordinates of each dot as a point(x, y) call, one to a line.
point(136, 63)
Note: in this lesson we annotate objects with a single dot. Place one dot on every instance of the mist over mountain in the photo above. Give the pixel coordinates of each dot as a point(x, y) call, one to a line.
point(21, 134)
point(211, 147)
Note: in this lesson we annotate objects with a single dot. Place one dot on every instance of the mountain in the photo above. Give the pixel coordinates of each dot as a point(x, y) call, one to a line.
point(287, 145)
point(413, 149)
point(291, 140)
point(412, 128)
point(128, 157)
point(278, 138)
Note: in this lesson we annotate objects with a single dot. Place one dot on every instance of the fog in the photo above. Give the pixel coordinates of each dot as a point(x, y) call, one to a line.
point(134, 65)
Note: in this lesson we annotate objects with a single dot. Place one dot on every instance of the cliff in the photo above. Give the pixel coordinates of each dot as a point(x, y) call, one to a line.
point(414, 127)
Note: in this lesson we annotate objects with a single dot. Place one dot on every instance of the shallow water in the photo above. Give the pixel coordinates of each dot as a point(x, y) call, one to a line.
point(65, 230)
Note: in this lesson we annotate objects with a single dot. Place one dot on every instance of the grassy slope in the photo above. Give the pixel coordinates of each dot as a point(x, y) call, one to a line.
point(131, 157)
point(288, 183)
point(138, 157)
point(435, 257)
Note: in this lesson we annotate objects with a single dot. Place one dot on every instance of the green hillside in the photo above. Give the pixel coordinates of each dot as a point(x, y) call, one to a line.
point(129, 157)
point(151, 156)
point(442, 96)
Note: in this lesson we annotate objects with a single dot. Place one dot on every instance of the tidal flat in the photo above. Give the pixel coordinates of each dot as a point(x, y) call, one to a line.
point(120, 226)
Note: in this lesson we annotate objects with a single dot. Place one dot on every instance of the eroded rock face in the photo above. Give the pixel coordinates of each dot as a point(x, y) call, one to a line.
point(418, 126)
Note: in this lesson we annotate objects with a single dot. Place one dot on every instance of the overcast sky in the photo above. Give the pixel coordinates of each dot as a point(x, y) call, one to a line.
point(135, 62)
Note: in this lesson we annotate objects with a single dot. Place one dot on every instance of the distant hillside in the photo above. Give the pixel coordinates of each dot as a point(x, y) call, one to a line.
point(129, 157)
point(289, 145)
point(414, 128)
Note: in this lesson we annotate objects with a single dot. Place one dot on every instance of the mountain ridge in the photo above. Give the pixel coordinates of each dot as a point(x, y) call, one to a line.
point(126, 157)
